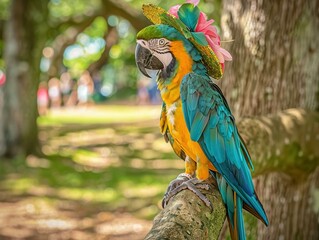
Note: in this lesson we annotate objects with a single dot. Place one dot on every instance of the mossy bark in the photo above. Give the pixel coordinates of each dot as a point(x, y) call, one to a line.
point(187, 217)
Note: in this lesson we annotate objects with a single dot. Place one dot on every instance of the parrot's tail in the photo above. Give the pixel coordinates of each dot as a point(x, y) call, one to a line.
point(236, 221)
point(234, 205)
point(234, 212)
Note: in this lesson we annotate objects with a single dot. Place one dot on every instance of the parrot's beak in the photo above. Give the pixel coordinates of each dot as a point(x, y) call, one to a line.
point(146, 61)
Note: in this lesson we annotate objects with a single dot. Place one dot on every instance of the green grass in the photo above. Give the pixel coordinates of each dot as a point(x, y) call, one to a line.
point(101, 115)
point(120, 165)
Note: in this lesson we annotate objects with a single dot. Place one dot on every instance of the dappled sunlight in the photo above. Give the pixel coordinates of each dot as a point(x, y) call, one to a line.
point(100, 114)
point(18, 184)
point(58, 224)
point(157, 164)
point(92, 195)
point(143, 192)
point(46, 220)
point(91, 176)
point(35, 162)
point(161, 146)
point(96, 159)
point(123, 226)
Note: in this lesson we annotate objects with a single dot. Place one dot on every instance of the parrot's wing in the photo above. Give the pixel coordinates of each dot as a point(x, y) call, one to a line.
point(167, 135)
point(212, 125)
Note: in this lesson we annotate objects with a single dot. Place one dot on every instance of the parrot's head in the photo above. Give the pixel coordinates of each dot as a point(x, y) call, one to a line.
point(181, 34)
point(153, 54)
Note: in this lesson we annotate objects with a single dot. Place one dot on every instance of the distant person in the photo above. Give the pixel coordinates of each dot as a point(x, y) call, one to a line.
point(43, 98)
point(2, 82)
point(73, 99)
point(66, 85)
point(99, 89)
point(2, 78)
point(85, 89)
point(153, 92)
point(142, 92)
point(54, 92)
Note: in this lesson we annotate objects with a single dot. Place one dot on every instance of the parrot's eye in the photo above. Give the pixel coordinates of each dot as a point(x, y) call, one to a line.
point(161, 42)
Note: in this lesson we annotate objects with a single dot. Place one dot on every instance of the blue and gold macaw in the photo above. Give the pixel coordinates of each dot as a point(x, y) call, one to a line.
point(195, 116)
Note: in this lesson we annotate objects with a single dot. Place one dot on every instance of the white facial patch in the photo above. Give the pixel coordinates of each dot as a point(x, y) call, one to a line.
point(165, 58)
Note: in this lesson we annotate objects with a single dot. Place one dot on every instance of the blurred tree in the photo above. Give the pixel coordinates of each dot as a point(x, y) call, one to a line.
point(24, 36)
point(275, 67)
point(3, 17)
point(27, 26)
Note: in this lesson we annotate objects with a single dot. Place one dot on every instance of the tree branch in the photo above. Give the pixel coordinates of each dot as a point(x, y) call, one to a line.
point(287, 141)
point(111, 38)
point(109, 7)
point(187, 217)
point(125, 10)
point(68, 36)
point(63, 40)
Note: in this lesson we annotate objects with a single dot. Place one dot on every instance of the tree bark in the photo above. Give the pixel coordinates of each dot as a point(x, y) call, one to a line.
point(276, 55)
point(292, 206)
point(275, 67)
point(187, 217)
point(24, 39)
point(293, 211)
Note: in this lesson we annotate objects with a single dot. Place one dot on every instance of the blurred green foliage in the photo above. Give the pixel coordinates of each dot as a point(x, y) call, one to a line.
point(90, 44)
point(87, 48)
point(4, 4)
point(65, 9)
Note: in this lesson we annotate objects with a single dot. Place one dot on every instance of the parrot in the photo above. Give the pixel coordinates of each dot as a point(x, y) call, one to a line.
point(196, 119)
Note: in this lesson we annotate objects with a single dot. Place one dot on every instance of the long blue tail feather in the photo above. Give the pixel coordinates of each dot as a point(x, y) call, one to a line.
point(234, 205)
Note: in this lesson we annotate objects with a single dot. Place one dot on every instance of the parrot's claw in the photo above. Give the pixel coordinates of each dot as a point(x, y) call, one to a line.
point(186, 181)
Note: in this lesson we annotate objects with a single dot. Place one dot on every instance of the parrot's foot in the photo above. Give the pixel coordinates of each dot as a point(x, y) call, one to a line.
point(186, 181)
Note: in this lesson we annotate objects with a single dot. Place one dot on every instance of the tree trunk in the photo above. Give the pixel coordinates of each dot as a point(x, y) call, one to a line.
point(275, 67)
point(292, 206)
point(24, 39)
point(276, 55)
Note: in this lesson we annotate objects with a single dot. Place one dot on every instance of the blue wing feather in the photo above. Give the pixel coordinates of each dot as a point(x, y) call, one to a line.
point(198, 125)
point(193, 101)
point(211, 124)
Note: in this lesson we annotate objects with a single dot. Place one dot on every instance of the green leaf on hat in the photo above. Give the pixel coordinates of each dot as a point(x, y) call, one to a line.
point(189, 14)
point(200, 38)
